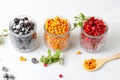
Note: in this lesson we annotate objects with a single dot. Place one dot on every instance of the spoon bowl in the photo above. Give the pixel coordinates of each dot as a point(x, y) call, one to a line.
point(100, 62)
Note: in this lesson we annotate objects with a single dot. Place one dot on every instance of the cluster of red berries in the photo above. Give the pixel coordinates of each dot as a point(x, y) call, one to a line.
point(94, 26)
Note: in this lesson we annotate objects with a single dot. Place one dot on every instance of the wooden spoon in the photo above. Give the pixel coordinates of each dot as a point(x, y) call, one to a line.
point(101, 62)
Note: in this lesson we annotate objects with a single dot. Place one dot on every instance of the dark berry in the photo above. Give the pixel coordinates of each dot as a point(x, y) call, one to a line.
point(23, 25)
point(25, 18)
point(5, 69)
point(28, 23)
point(94, 26)
point(32, 26)
point(60, 76)
point(5, 75)
point(45, 65)
point(16, 20)
point(12, 77)
point(34, 61)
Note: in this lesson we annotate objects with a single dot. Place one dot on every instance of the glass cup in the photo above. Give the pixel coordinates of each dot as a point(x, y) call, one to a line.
point(23, 42)
point(59, 41)
point(91, 43)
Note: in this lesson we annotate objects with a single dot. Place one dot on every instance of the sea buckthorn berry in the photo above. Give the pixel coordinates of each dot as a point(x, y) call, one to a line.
point(57, 32)
point(90, 64)
point(78, 52)
point(23, 59)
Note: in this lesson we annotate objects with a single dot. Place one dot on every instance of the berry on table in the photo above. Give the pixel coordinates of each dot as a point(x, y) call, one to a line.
point(45, 65)
point(60, 76)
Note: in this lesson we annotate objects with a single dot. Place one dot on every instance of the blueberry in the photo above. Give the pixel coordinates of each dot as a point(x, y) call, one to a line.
point(28, 23)
point(16, 20)
point(5, 69)
point(32, 26)
point(12, 77)
point(20, 33)
point(23, 25)
point(16, 31)
point(5, 75)
point(17, 26)
point(23, 29)
point(25, 18)
point(34, 61)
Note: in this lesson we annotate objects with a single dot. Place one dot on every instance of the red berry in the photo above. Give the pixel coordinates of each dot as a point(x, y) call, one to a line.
point(94, 26)
point(45, 65)
point(60, 76)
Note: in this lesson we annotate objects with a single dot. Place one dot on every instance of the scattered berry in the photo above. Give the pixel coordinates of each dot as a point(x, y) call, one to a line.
point(60, 76)
point(78, 52)
point(5, 69)
point(23, 59)
point(45, 65)
point(5, 75)
point(34, 61)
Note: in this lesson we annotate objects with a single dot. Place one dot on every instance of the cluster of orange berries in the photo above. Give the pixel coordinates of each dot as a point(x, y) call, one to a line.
point(90, 64)
point(57, 25)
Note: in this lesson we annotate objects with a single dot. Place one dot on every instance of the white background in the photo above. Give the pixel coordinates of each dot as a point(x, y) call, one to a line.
point(72, 69)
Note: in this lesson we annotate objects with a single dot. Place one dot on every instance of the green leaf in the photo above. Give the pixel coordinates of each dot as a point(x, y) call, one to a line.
point(83, 16)
point(5, 30)
point(77, 17)
point(58, 51)
point(80, 24)
point(75, 24)
point(49, 51)
point(51, 59)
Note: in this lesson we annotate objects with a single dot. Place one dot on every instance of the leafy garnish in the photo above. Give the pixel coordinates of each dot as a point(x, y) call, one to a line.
point(3, 34)
point(52, 58)
point(79, 20)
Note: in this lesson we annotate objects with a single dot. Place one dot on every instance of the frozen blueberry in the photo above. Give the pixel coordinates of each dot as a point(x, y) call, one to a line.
point(5, 75)
point(20, 33)
point(32, 26)
point(23, 25)
point(21, 21)
point(28, 23)
point(5, 69)
point(34, 61)
point(23, 29)
point(16, 31)
point(16, 20)
point(25, 18)
point(26, 32)
point(17, 26)
point(11, 77)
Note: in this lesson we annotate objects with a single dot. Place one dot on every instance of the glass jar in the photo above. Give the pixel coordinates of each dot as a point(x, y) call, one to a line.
point(23, 42)
point(59, 41)
point(91, 43)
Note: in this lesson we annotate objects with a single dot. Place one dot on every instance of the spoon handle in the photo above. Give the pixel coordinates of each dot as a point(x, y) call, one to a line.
point(116, 56)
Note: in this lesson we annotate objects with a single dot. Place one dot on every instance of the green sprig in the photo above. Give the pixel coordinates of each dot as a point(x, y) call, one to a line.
point(52, 58)
point(79, 20)
point(3, 34)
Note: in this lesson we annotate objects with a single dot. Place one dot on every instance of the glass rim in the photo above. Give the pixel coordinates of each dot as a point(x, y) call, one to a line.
point(11, 22)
